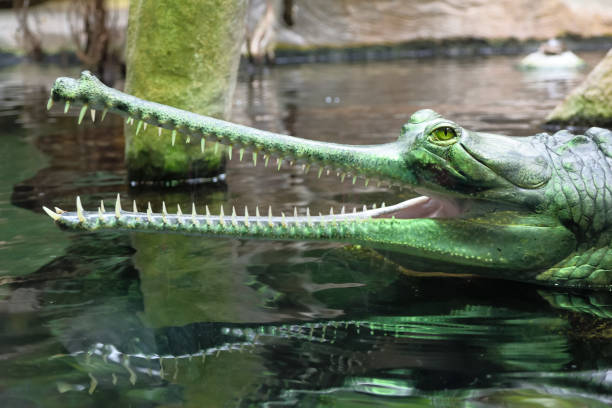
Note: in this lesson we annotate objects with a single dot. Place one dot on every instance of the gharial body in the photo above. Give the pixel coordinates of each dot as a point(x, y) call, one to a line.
point(534, 209)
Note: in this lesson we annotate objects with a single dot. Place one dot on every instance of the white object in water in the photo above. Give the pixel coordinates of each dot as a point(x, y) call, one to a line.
point(538, 60)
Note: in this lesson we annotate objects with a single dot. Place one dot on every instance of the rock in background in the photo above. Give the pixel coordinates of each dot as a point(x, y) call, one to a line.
point(338, 23)
point(591, 102)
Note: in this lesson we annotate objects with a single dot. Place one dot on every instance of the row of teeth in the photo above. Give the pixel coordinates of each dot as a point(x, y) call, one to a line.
point(230, 148)
point(233, 219)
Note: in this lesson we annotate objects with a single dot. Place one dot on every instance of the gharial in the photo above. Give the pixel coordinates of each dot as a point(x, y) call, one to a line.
point(533, 209)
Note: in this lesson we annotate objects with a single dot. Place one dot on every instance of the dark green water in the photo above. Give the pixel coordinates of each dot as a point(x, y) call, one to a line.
point(141, 320)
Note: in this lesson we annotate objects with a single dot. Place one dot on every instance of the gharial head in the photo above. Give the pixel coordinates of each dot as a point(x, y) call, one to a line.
point(486, 203)
point(432, 154)
point(445, 158)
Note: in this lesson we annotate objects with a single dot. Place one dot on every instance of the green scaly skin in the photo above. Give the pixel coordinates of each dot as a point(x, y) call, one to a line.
point(532, 209)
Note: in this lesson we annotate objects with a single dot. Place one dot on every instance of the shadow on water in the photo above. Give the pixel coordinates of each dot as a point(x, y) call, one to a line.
point(165, 320)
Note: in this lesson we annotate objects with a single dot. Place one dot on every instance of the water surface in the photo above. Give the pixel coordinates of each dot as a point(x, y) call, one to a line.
point(155, 320)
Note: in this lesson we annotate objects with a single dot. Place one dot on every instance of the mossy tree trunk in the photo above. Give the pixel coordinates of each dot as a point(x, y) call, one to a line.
point(184, 54)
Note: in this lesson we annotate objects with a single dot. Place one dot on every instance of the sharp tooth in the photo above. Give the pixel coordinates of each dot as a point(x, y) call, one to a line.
point(173, 137)
point(134, 208)
point(104, 112)
point(257, 216)
point(382, 205)
point(295, 212)
point(179, 215)
point(331, 211)
point(254, 158)
point(67, 107)
point(327, 172)
point(59, 211)
point(79, 209)
point(100, 214)
point(82, 113)
point(149, 213)
point(291, 163)
point(270, 223)
point(138, 126)
point(279, 163)
point(118, 207)
point(246, 217)
point(221, 215)
point(194, 215)
point(208, 220)
point(188, 140)
point(164, 213)
point(51, 214)
point(241, 154)
point(102, 206)
point(283, 221)
point(229, 152)
point(93, 115)
point(159, 132)
point(202, 144)
point(365, 208)
point(308, 219)
point(320, 172)
point(342, 211)
point(355, 211)
point(234, 222)
point(144, 126)
point(49, 103)
point(374, 206)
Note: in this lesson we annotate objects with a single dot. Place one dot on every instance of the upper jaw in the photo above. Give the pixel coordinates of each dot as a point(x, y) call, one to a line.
point(352, 162)
point(382, 162)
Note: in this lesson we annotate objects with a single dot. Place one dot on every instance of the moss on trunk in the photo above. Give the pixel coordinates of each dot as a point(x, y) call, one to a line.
point(184, 54)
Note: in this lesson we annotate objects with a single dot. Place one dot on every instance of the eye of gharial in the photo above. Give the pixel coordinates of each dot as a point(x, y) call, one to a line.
point(443, 135)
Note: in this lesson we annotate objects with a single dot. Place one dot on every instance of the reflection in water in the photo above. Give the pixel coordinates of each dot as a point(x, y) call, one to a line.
point(158, 320)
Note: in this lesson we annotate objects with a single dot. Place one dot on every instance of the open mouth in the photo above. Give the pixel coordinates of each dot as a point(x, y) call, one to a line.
point(346, 161)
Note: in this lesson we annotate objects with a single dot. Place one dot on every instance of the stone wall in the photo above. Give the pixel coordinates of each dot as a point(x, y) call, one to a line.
point(337, 23)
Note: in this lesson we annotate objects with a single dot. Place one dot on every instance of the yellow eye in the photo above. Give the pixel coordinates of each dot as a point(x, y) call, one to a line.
point(444, 133)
